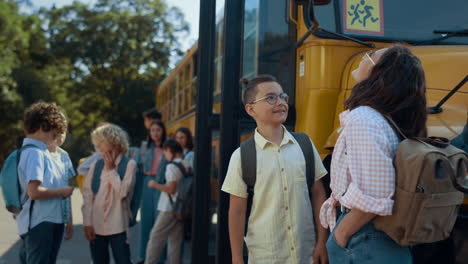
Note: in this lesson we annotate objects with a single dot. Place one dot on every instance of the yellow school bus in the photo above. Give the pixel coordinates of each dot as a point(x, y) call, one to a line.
point(312, 47)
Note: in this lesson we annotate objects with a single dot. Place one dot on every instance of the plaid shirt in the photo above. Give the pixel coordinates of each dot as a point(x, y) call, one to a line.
point(362, 172)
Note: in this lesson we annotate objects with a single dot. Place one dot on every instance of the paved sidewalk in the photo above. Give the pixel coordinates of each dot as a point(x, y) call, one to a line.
point(72, 251)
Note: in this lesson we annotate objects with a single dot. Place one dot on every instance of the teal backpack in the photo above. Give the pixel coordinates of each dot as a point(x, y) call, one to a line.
point(9, 181)
point(137, 189)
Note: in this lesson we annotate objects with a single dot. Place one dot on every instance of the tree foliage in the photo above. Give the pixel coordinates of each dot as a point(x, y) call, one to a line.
point(100, 63)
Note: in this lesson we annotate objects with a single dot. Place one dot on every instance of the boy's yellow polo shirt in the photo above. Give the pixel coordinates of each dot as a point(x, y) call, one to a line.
point(281, 227)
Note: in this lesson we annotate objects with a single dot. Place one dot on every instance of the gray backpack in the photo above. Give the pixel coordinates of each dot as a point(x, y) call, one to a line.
point(182, 206)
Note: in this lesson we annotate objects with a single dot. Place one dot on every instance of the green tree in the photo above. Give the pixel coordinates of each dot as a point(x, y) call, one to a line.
point(100, 63)
point(119, 51)
point(12, 39)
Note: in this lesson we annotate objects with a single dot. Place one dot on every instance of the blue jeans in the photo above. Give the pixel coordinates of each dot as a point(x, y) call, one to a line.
point(41, 244)
point(368, 245)
point(118, 243)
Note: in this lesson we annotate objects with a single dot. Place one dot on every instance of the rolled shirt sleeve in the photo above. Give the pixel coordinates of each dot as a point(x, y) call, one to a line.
point(320, 170)
point(32, 164)
point(233, 183)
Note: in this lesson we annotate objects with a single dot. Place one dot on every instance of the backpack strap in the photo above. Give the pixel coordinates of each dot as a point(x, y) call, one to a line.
point(401, 136)
point(308, 151)
point(121, 168)
point(249, 163)
point(184, 174)
point(249, 172)
point(18, 156)
point(180, 167)
point(96, 182)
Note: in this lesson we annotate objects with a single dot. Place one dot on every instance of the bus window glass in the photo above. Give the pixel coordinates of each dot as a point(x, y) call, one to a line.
point(250, 45)
point(187, 86)
point(397, 20)
point(325, 14)
point(194, 79)
point(218, 61)
point(173, 98)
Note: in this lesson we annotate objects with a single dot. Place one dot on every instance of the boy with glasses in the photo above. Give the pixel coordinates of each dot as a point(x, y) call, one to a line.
point(280, 225)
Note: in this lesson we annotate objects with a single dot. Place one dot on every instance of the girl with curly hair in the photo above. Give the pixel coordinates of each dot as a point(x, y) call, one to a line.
point(107, 193)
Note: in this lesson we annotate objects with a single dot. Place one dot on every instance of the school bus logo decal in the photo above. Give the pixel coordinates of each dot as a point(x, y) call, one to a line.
point(363, 16)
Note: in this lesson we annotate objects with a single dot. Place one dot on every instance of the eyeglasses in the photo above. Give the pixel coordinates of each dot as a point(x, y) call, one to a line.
point(273, 98)
point(369, 57)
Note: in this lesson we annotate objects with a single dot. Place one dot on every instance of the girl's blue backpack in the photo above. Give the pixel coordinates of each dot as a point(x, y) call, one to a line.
point(9, 181)
point(137, 189)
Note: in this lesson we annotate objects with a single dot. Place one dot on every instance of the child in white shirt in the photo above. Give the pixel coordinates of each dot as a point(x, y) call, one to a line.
point(167, 227)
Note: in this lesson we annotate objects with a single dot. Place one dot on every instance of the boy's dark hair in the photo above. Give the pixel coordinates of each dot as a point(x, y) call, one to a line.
point(173, 146)
point(250, 86)
point(152, 113)
point(163, 137)
point(45, 116)
point(188, 135)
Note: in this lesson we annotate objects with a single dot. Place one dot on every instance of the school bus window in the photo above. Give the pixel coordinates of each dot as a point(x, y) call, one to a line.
point(195, 65)
point(187, 87)
point(250, 50)
point(180, 90)
point(326, 15)
point(172, 98)
point(180, 93)
point(176, 93)
point(374, 20)
point(193, 93)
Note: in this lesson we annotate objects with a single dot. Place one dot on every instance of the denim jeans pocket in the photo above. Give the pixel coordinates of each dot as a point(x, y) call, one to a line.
point(332, 245)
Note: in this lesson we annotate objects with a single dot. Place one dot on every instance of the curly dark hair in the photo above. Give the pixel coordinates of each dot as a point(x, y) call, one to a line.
point(45, 116)
point(396, 87)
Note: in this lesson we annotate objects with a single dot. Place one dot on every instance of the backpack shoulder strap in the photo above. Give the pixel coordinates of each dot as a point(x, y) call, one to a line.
point(96, 181)
point(122, 168)
point(20, 150)
point(249, 172)
point(18, 157)
point(180, 167)
point(249, 163)
point(23, 201)
point(307, 149)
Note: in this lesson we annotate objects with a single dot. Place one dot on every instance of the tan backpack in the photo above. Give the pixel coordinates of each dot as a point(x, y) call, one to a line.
point(428, 193)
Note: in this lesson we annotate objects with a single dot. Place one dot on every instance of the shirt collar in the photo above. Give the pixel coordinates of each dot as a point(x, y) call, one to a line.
point(35, 142)
point(263, 142)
